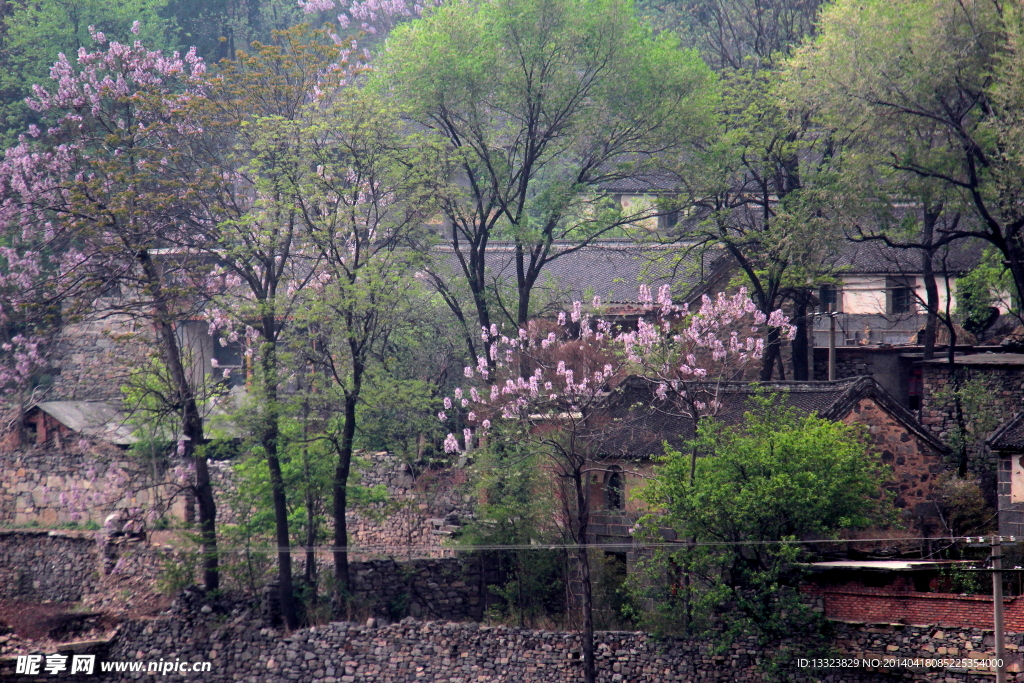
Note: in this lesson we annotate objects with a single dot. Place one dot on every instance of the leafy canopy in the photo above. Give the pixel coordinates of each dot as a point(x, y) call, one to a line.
point(778, 475)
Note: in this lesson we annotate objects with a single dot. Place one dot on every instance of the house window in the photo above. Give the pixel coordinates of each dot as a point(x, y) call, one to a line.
point(230, 362)
point(901, 297)
point(830, 298)
point(615, 489)
point(668, 220)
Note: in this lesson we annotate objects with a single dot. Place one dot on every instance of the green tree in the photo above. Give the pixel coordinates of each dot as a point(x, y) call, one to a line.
point(539, 102)
point(348, 177)
point(986, 286)
point(931, 88)
point(758, 489)
point(752, 201)
point(511, 480)
point(216, 27)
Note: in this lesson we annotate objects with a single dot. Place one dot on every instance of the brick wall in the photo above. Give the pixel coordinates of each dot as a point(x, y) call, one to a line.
point(885, 605)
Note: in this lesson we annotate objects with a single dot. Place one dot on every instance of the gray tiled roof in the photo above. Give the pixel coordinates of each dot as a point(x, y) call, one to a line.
point(1009, 437)
point(643, 424)
point(876, 258)
point(611, 270)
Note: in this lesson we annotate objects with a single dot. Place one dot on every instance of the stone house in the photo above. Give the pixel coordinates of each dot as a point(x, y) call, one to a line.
point(992, 391)
point(916, 456)
point(1007, 446)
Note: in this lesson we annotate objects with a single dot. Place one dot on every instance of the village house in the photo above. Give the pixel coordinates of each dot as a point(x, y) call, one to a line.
point(916, 456)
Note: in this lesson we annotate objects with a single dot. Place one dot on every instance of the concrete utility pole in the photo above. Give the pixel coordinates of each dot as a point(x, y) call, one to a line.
point(831, 344)
point(997, 606)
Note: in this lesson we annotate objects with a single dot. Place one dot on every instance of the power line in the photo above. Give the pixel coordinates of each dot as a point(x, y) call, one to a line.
point(407, 549)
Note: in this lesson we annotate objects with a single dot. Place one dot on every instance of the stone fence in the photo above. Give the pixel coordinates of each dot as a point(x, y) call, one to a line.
point(239, 647)
point(41, 566)
point(33, 481)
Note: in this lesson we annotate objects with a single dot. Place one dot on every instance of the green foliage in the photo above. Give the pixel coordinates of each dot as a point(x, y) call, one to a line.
point(987, 285)
point(759, 488)
point(516, 508)
point(175, 573)
point(954, 579)
point(217, 27)
point(963, 506)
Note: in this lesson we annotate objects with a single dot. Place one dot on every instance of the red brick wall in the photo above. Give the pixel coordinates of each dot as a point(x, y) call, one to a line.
point(883, 605)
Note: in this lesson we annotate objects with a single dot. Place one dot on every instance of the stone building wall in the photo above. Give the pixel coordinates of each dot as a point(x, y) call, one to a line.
point(33, 481)
point(1001, 397)
point(916, 466)
point(95, 357)
point(1003, 389)
point(241, 648)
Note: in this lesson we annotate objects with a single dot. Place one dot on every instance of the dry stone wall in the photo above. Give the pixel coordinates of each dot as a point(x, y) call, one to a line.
point(242, 648)
point(422, 510)
point(449, 589)
point(46, 566)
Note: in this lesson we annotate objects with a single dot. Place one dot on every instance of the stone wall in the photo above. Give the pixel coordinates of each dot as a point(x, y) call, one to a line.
point(451, 589)
point(1002, 391)
point(46, 566)
point(423, 509)
point(241, 648)
point(916, 466)
point(32, 482)
point(95, 357)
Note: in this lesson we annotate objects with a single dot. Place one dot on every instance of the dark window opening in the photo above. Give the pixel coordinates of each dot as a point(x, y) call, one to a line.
point(876, 579)
point(615, 489)
point(230, 362)
point(829, 298)
point(922, 582)
point(901, 297)
point(915, 388)
point(669, 220)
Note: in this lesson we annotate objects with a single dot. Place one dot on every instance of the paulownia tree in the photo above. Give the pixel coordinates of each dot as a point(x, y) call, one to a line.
point(562, 380)
point(99, 190)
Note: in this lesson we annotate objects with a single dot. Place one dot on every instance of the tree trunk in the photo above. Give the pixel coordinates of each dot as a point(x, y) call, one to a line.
point(772, 353)
point(931, 288)
point(310, 575)
point(269, 441)
point(341, 474)
point(801, 372)
point(191, 420)
point(583, 558)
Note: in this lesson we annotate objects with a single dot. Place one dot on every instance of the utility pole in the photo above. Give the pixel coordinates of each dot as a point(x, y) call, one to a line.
point(831, 344)
point(997, 606)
